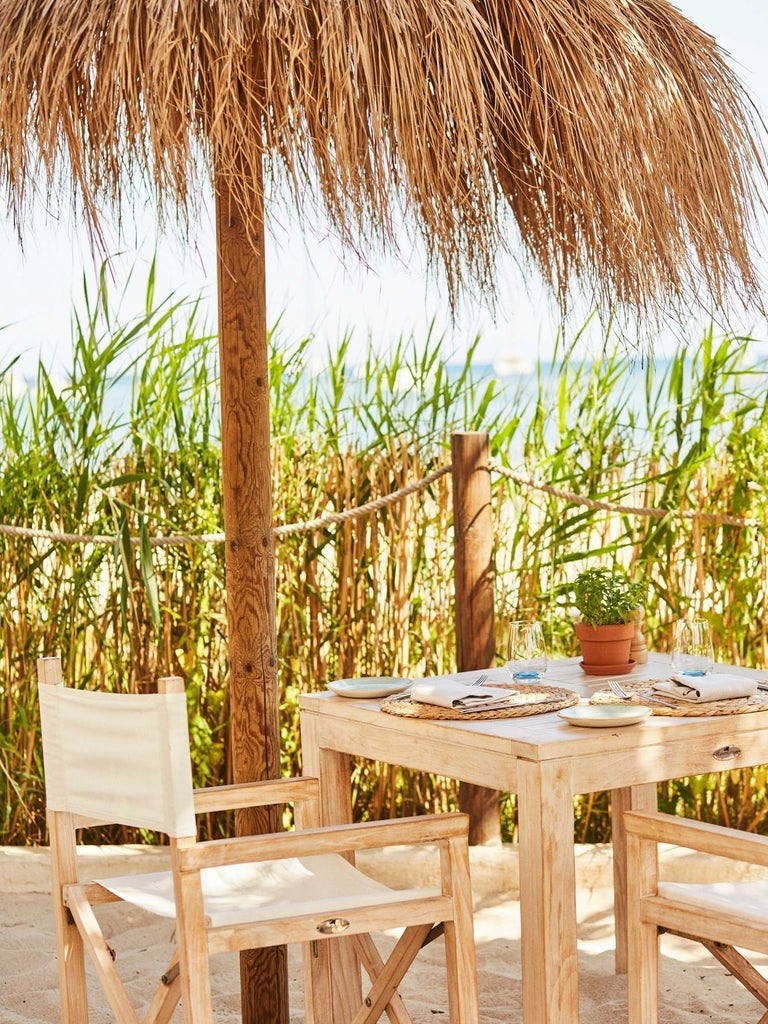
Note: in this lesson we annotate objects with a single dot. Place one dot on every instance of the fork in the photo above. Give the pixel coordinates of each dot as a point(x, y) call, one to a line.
point(618, 690)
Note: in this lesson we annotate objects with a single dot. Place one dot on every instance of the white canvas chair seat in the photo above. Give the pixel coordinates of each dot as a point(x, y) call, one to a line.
point(720, 915)
point(114, 758)
point(238, 893)
point(747, 899)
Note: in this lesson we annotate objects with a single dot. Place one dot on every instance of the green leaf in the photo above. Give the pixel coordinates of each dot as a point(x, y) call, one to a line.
point(148, 573)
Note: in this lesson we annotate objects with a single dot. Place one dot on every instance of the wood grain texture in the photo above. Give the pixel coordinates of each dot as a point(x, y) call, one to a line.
point(250, 557)
point(475, 623)
point(331, 968)
point(631, 798)
point(473, 531)
point(642, 936)
point(548, 899)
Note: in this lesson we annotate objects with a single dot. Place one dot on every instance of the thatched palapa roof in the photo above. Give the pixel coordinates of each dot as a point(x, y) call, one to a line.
point(613, 130)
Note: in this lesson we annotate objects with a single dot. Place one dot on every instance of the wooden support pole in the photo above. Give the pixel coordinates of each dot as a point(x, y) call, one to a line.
point(475, 623)
point(250, 560)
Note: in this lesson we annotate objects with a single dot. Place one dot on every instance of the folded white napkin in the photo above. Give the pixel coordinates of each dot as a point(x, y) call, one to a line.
point(700, 689)
point(448, 692)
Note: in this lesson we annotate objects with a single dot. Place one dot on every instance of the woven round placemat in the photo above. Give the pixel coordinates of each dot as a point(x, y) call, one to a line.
point(683, 708)
point(557, 698)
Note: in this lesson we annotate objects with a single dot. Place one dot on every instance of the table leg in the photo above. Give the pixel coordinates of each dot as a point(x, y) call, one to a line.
point(549, 953)
point(332, 975)
point(632, 798)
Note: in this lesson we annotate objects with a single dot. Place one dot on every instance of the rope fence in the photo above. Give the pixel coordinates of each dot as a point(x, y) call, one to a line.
point(637, 510)
point(364, 510)
point(304, 526)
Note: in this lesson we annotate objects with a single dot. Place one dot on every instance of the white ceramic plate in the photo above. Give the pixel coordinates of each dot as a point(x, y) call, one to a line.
point(604, 715)
point(374, 686)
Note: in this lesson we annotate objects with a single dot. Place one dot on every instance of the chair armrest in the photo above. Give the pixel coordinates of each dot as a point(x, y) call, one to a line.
point(334, 839)
point(698, 835)
point(256, 794)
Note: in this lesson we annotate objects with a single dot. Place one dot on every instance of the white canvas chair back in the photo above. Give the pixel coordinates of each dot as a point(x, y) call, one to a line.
point(720, 915)
point(125, 758)
point(122, 758)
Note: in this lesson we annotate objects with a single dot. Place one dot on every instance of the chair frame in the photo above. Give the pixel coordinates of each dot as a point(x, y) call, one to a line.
point(187, 978)
point(650, 914)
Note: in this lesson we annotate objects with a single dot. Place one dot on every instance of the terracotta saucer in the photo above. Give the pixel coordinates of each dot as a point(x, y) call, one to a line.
point(608, 670)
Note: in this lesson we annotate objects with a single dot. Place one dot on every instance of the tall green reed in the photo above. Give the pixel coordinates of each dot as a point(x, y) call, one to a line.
point(129, 446)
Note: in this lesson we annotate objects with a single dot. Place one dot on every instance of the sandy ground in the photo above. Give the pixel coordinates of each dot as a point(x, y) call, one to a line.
point(694, 986)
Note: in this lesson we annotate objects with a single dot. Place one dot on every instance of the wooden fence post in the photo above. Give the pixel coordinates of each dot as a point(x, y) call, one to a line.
point(475, 624)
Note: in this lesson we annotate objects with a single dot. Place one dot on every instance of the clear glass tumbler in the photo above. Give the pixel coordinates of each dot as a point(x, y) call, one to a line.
point(692, 651)
point(526, 651)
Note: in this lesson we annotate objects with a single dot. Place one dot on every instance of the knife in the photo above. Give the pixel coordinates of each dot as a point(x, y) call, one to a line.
point(510, 704)
point(658, 700)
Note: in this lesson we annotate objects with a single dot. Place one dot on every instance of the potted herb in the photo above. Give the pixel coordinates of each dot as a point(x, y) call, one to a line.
point(608, 603)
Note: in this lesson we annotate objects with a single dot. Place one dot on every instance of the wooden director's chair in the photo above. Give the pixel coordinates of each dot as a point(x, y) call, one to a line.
point(720, 915)
point(124, 758)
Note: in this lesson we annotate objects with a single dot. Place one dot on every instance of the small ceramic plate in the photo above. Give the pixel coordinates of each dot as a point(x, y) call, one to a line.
point(604, 715)
point(378, 686)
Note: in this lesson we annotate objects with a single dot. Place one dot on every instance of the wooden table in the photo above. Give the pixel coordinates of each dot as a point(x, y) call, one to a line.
point(546, 762)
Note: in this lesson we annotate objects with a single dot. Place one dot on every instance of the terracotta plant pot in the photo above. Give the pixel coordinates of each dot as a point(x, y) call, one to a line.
point(605, 649)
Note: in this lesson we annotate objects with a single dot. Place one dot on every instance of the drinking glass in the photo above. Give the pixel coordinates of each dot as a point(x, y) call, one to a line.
point(692, 653)
point(526, 651)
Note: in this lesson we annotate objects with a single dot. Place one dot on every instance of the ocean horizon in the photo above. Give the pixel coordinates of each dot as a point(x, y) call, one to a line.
point(515, 381)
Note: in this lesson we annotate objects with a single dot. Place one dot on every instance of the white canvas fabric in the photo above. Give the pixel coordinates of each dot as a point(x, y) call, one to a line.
point(721, 897)
point(322, 885)
point(120, 758)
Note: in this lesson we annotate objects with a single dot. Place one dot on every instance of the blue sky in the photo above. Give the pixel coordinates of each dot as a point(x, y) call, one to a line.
point(310, 286)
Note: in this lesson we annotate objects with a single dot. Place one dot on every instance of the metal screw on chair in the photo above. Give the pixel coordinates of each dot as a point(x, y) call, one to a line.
point(333, 925)
point(727, 753)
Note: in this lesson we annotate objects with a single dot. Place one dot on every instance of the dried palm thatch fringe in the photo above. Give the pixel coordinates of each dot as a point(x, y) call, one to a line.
point(613, 130)
point(633, 137)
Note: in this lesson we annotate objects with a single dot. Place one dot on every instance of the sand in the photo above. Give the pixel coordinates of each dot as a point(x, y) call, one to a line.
point(694, 986)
